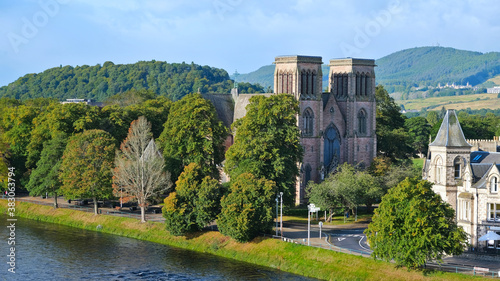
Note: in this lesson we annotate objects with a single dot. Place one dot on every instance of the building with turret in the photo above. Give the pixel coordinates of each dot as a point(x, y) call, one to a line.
point(467, 179)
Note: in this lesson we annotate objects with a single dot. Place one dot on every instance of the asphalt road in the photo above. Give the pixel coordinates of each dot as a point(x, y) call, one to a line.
point(352, 239)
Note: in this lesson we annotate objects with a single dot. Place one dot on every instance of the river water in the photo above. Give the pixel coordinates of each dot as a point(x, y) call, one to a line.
point(46, 251)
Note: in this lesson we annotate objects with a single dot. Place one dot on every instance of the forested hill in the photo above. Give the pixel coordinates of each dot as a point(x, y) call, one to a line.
point(428, 66)
point(173, 80)
point(423, 66)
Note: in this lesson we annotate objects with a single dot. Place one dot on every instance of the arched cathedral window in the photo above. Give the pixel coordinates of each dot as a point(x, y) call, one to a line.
point(362, 122)
point(308, 122)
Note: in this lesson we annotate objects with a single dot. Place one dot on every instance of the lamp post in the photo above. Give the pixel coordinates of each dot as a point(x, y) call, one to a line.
point(277, 196)
point(281, 219)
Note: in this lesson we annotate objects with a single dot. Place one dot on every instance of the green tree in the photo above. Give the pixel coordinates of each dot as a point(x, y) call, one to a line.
point(267, 143)
point(194, 203)
point(247, 209)
point(419, 131)
point(413, 225)
point(86, 169)
point(432, 117)
point(139, 166)
point(347, 188)
point(193, 134)
point(45, 177)
point(392, 139)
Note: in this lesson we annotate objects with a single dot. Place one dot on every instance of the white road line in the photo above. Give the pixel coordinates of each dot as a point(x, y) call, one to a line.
point(362, 237)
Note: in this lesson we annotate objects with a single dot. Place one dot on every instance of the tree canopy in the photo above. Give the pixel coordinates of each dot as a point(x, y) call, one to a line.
point(139, 166)
point(414, 225)
point(45, 177)
point(194, 203)
point(86, 169)
point(99, 82)
point(247, 209)
point(392, 138)
point(267, 143)
point(193, 134)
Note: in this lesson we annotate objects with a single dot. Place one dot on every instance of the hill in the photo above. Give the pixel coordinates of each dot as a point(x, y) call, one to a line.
point(416, 67)
point(265, 76)
point(429, 66)
point(173, 80)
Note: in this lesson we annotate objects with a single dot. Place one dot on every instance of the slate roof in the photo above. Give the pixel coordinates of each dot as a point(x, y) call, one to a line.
point(484, 157)
point(224, 106)
point(241, 103)
point(450, 133)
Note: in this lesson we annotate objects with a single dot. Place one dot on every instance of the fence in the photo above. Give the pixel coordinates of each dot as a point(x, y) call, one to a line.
point(476, 271)
point(91, 210)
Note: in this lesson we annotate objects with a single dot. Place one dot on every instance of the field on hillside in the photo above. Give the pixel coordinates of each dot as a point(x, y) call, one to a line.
point(478, 101)
point(495, 80)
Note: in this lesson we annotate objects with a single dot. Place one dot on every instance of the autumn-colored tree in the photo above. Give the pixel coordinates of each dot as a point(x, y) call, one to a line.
point(45, 177)
point(413, 225)
point(4, 154)
point(139, 166)
point(86, 169)
point(247, 211)
point(195, 202)
point(193, 134)
point(267, 143)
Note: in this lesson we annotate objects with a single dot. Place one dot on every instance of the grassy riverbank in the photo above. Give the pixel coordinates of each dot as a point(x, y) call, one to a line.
point(298, 259)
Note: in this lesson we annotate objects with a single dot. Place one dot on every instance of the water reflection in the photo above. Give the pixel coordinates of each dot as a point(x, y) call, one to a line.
point(47, 251)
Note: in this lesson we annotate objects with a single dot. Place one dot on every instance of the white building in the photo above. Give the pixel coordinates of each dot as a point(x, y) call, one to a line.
point(468, 180)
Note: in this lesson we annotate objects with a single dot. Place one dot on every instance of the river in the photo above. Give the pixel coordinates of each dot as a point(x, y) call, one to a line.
point(46, 251)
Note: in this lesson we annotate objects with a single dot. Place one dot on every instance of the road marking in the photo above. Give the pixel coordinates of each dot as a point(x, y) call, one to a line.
point(340, 239)
point(362, 237)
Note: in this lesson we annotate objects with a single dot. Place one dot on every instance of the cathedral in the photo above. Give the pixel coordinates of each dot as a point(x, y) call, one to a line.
point(337, 125)
point(466, 174)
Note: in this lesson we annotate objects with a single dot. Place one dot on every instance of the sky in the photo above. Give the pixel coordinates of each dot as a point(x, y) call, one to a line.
point(240, 35)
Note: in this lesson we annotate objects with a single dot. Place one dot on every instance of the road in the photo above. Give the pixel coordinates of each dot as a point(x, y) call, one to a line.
point(352, 239)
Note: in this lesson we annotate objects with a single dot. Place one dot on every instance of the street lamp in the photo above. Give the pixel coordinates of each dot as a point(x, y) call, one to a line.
point(281, 219)
point(277, 196)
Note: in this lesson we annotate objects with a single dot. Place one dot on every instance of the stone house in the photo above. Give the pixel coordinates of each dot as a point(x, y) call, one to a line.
point(467, 179)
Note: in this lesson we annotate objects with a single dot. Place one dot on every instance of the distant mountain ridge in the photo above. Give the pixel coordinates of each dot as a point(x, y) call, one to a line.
point(415, 67)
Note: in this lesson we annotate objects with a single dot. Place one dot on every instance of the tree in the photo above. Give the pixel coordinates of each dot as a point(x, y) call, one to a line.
point(193, 134)
point(413, 225)
point(4, 154)
point(419, 131)
point(347, 188)
point(195, 202)
point(267, 143)
point(392, 139)
point(247, 209)
point(139, 166)
point(86, 169)
point(45, 177)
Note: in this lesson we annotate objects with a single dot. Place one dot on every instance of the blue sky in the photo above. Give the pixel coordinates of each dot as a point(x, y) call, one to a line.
point(232, 34)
